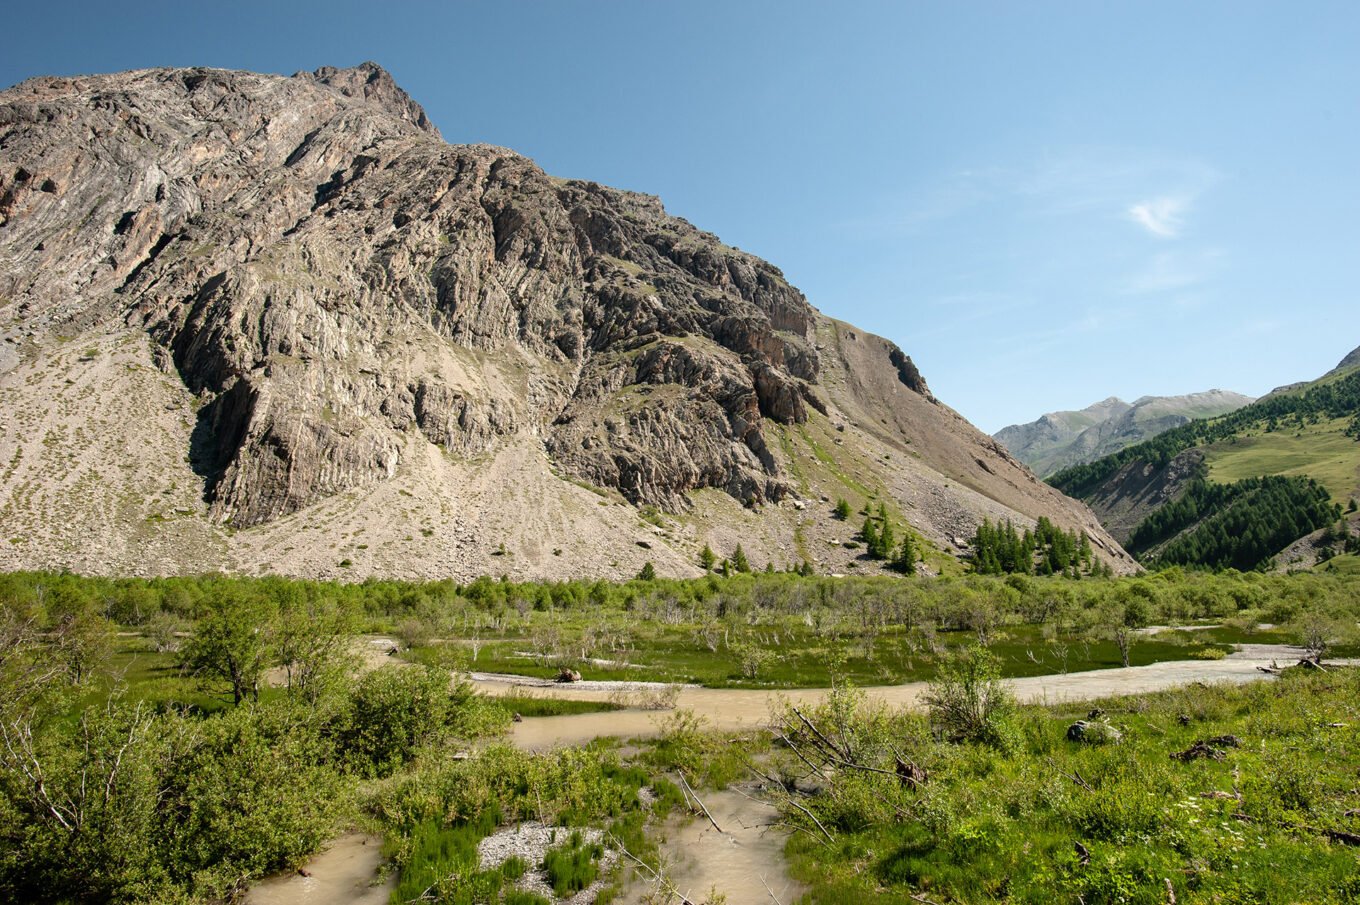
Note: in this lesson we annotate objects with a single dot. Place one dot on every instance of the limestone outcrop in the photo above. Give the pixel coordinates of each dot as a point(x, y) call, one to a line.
point(337, 290)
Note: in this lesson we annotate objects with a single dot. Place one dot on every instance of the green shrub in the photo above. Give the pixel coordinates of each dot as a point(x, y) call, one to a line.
point(393, 713)
point(171, 806)
point(968, 702)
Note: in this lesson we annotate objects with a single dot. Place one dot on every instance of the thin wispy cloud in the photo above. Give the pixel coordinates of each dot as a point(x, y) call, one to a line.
point(1151, 189)
point(1175, 272)
point(1163, 217)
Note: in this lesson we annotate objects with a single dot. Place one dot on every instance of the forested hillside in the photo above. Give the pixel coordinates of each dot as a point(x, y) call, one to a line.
point(1259, 477)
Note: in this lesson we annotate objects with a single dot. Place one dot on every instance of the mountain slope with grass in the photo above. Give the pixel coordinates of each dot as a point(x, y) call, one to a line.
point(1059, 440)
point(264, 324)
point(1236, 490)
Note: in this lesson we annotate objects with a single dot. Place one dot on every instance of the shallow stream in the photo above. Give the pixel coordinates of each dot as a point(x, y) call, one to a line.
point(746, 860)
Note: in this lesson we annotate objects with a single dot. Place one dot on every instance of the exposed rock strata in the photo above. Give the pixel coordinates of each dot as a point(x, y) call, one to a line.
point(337, 286)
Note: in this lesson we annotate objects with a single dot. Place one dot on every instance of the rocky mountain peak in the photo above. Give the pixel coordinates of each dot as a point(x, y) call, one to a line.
point(1059, 439)
point(374, 85)
point(345, 299)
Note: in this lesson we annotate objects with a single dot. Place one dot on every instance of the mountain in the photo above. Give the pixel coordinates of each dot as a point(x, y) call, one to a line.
point(258, 323)
point(1238, 490)
point(1061, 439)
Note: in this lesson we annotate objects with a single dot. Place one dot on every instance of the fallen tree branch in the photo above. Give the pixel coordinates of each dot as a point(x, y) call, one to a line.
point(689, 789)
point(790, 800)
point(1341, 836)
point(656, 875)
point(770, 891)
point(1074, 775)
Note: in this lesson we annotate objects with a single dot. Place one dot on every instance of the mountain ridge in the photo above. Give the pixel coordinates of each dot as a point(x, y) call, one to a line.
point(1058, 440)
point(252, 306)
point(1237, 490)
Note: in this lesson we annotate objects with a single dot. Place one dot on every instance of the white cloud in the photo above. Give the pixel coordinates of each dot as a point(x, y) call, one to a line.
point(1160, 216)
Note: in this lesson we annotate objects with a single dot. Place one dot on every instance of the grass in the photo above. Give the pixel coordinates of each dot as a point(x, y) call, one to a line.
point(154, 678)
point(573, 866)
point(441, 858)
point(1046, 820)
point(1345, 564)
point(529, 706)
point(1321, 451)
point(809, 656)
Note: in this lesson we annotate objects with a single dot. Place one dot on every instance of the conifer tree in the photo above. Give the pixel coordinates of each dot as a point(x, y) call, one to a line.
point(707, 558)
point(869, 534)
point(739, 561)
point(905, 559)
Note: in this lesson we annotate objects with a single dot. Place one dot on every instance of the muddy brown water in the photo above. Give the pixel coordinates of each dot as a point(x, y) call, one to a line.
point(734, 709)
point(346, 873)
point(746, 860)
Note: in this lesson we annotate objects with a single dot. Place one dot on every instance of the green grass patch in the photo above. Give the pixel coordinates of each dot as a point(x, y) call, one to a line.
point(530, 706)
point(1043, 819)
point(1321, 451)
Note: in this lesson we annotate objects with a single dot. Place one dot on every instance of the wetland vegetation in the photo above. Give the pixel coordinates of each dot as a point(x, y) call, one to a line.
point(169, 740)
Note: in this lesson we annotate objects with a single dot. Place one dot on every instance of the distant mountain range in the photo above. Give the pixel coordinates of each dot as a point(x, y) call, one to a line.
point(1264, 484)
point(1059, 440)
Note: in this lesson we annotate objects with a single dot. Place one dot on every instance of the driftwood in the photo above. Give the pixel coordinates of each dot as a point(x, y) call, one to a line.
point(656, 875)
point(1341, 836)
point(1074, 776)
point(824, 754)
point(770, 891)
point(911, 774)
point(1196, 751)
point(690, 791)
point(1211, 748)
point(788, 798)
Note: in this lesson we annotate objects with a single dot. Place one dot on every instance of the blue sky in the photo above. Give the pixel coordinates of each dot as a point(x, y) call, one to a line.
point(1043, 203)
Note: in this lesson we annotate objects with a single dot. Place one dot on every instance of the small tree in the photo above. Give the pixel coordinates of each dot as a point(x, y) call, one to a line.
point(869, 534)
point(707, 558)
point(1317, 630)
point(234, 644)
point(906, 557)
point(647, 573)
point(81, 640)
point(968, 702)
point(842, 510)
point(887, 539)
point(739, 561)
point(313, 644)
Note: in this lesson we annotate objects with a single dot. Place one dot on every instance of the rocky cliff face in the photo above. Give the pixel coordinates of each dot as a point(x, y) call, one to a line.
point(336, 301)
point(1061, 439)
